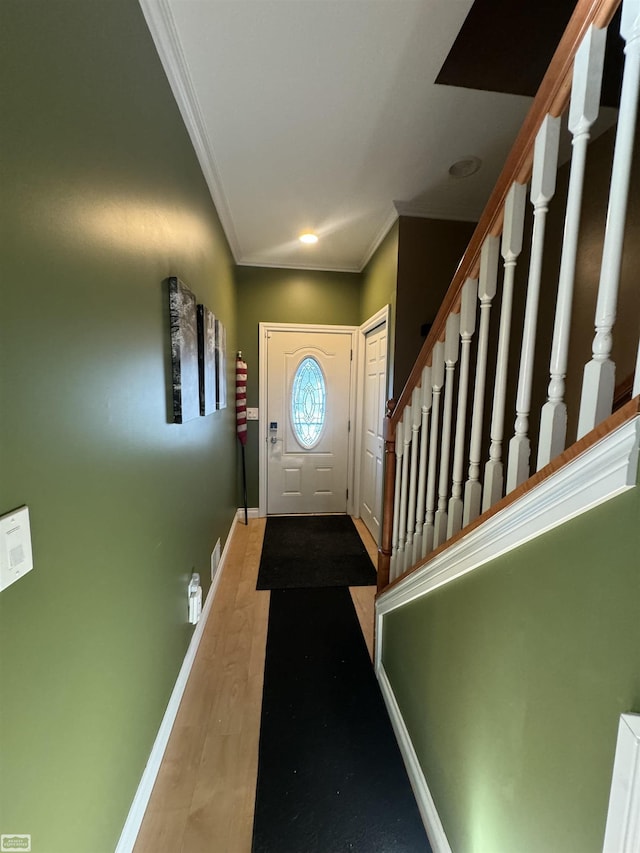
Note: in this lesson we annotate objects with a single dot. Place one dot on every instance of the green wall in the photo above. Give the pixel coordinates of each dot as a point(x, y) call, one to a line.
point(308, 296)
point(102, 200)
point(379, 286)
point(286, 296)
point(511, 681)
point(379, 277)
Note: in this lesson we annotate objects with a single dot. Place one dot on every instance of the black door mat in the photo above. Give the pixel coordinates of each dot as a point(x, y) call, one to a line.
point(330, 773)
point(313, 551)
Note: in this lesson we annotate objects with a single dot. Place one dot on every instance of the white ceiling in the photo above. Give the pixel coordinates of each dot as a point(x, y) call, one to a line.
point(323, 115)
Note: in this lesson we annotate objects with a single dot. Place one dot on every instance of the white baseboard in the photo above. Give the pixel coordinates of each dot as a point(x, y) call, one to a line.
point(252, 512)
point(141, 800)
point(426, 806)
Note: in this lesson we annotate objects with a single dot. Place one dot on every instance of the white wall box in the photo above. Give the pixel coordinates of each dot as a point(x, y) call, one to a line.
point(16, 557)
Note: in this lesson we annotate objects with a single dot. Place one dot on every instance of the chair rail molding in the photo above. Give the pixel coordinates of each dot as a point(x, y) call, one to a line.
point(606, 469)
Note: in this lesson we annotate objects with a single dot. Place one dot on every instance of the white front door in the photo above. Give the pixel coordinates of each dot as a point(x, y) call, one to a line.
point(308, 377)
point(372, 461)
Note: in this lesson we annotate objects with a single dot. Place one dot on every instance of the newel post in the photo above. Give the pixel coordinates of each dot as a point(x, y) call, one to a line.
point(385, 549)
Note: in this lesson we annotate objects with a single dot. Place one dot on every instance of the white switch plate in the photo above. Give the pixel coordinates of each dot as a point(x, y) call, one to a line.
point(16, 558)
point(252, 414)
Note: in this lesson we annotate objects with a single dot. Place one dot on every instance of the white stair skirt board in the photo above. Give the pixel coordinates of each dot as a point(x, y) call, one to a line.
point(252, 512)
point(426, 806)
point(605, 470)
point(622, 834)
point(141, 799)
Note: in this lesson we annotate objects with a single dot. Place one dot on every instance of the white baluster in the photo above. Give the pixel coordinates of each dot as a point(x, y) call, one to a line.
point(600, 373)
point(393, 569)
point(468, 307)
point(451, 351)
point(427, 393)
point(404, 488)
point(416, 399)
point(636, 378)
point(437, 381)
point(543, 187)
point(583, 111)
point(512, 232)
point(486, 291)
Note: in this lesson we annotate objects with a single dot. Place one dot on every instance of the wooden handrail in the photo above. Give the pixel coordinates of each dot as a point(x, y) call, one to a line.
point(552, 97)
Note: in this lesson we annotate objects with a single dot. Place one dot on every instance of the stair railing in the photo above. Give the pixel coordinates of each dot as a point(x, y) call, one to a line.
point(433, 435)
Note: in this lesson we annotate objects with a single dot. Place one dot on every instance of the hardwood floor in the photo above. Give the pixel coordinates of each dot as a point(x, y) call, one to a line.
point(204, 795)
point(364, 597)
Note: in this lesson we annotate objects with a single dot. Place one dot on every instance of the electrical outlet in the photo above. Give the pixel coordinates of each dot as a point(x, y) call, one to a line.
point(194, 593)
point(215, 559)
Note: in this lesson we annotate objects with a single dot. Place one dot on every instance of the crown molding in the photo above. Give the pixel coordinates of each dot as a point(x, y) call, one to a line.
point(164, 32)
point(256, 262)
point(387, 225)
point(427, 211)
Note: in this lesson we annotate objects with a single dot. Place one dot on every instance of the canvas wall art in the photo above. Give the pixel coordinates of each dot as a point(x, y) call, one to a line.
point(184, 352)
point(207, 360)
point(221, 365)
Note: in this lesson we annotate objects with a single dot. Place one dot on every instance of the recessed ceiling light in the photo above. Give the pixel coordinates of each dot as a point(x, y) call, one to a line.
point(465, 168)
point(308, 238)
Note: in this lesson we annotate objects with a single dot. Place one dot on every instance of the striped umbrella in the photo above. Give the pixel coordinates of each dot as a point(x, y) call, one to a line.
point(241, 421)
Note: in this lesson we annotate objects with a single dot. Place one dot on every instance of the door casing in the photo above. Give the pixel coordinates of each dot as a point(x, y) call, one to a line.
point(263, 425)
point(378, 319)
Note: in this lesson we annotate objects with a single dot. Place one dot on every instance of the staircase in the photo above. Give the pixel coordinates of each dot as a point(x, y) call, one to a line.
point(521, 413)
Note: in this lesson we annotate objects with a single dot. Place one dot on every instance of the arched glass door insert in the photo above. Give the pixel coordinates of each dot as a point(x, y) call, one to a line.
point(308, 403)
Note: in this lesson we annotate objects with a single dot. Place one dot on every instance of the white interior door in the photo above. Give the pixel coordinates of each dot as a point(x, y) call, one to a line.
point(308, 377)
point(372, 444)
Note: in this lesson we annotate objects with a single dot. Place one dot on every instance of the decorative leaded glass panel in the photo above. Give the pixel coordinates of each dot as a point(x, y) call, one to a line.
point(308, 402)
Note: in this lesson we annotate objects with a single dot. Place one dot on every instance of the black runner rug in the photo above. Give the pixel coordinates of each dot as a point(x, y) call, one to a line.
point(313, 551)
point(330, 774)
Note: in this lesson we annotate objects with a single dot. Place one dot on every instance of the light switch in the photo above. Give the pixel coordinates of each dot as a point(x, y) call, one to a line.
point(15, 546)
point(252, 414)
